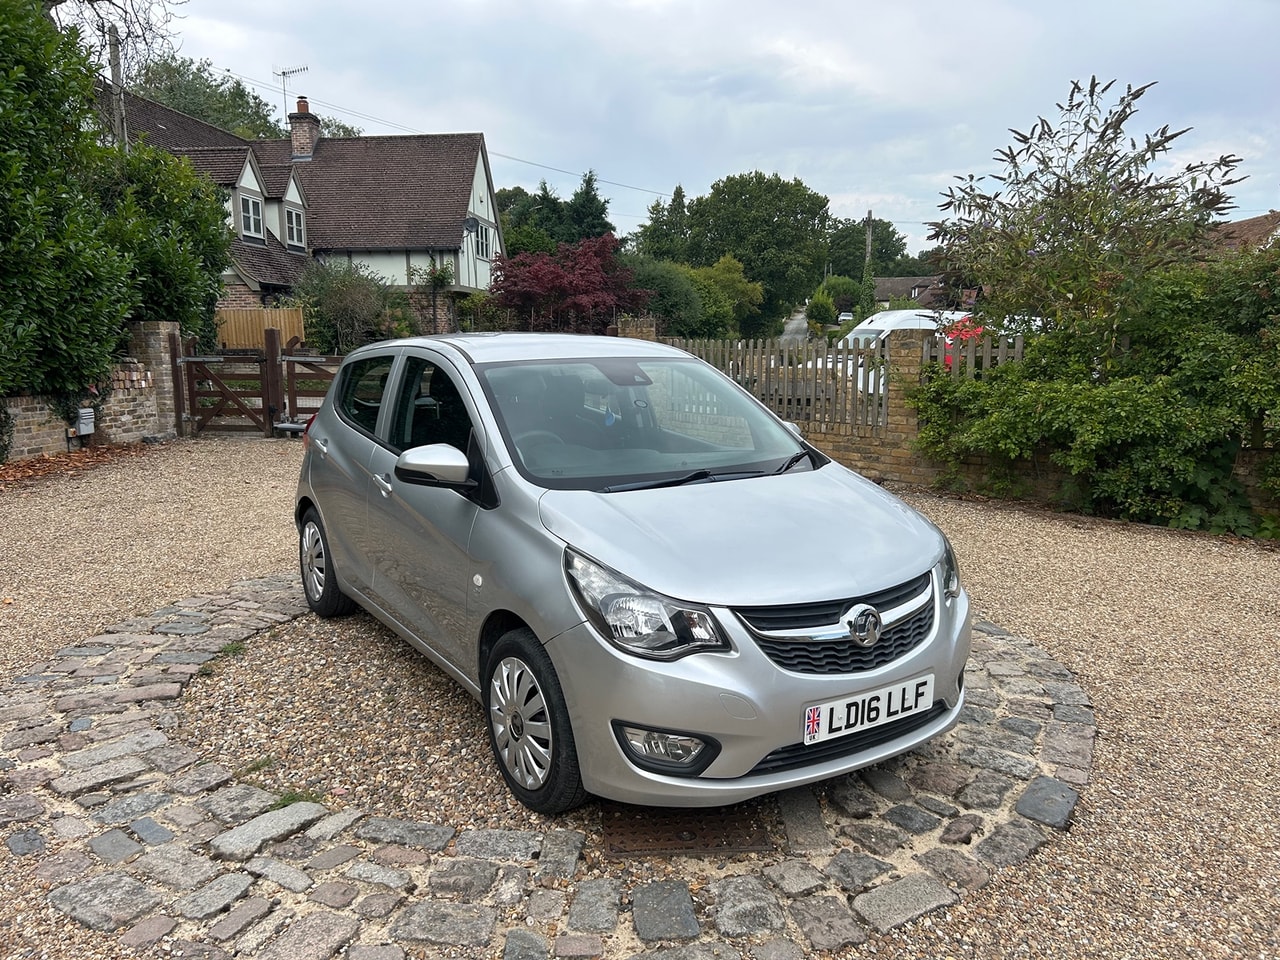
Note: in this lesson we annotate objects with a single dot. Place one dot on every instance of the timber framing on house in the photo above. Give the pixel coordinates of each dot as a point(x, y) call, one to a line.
point(395, 204)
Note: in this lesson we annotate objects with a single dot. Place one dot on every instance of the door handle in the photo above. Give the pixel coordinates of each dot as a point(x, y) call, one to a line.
point(322, 444)
point(384, 484)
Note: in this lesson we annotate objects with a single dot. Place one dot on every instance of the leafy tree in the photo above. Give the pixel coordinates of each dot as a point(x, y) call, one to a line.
point(1146, 369)
point(1078, 217)
point(581, 287)
point(848, 248)
point(666, 234)
point(924, 264)
point(196, 89)
point(334, 128)
point(586, 213)
point(64, 287)
point(539, 221)
point(173, 224)
point(507, 198)
point(742, 296)
point(527, 239)
point(520, 231)
point(674, 299)
point(845, 292)
point(776, 228)
point(820, 309)
point(345, 305)
point(714, 297)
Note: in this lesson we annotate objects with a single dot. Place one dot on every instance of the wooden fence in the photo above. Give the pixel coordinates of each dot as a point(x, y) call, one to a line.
point(245, 329)
point(837, 385)
point(969, 358)
point(825, 387)
point(803, 381)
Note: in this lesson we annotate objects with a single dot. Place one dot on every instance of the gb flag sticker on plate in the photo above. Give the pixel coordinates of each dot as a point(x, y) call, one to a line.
point(837, 718)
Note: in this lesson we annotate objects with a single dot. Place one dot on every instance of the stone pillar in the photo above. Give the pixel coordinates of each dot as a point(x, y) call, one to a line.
point(149, 343)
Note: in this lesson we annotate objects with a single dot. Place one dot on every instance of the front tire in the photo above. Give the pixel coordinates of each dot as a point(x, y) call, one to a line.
point(319, 582)
point(529, 728)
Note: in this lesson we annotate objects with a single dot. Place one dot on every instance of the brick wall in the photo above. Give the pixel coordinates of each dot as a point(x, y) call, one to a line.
point(638, 328)
point(140, 404)
point(431, 319)
point(238, 296)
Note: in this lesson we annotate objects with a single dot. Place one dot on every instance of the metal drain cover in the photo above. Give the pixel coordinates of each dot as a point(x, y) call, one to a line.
point(664, 831)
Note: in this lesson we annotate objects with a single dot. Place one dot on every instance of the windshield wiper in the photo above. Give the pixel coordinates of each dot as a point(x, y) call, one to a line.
point(793, 461)
point(695, 477)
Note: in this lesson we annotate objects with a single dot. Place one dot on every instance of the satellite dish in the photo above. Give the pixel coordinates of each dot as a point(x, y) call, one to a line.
point(471, 224)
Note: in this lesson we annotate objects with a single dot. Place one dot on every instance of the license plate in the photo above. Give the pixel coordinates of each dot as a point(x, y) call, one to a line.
point(839, 718)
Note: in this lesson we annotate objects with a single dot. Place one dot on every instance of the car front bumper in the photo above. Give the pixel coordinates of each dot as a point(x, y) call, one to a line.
point(751, 708)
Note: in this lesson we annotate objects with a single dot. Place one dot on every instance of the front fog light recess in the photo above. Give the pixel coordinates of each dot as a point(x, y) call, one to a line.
point(666, 751)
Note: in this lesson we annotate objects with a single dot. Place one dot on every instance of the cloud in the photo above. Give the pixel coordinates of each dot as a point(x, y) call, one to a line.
point(880, 105)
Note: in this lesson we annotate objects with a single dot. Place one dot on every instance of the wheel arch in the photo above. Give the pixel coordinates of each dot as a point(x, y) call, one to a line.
point(496, 625)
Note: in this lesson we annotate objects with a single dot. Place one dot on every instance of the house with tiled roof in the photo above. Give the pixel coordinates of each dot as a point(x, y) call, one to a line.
point(392, 203)
point(926, 291)
point(1254, 232)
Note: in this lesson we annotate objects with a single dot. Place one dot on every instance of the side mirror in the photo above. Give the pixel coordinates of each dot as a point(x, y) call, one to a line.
point(435, 465)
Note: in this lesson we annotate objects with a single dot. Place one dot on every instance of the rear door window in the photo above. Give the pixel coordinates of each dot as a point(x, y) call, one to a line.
point(360, 393)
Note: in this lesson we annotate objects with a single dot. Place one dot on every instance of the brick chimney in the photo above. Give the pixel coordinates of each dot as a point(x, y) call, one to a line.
point(304, 131)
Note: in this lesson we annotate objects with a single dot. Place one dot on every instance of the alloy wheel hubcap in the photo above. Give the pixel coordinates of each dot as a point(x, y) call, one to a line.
point(313, 561)
point(521, 723)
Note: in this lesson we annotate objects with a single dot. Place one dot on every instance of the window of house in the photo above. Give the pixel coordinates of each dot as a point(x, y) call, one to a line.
point(482, 242)
point(251, 216)
point(294, 224)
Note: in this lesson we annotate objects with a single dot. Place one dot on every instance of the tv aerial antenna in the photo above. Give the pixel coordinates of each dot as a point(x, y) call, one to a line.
point(284, 73)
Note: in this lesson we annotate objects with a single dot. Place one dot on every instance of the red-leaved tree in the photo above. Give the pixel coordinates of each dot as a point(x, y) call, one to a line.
point(581, 288)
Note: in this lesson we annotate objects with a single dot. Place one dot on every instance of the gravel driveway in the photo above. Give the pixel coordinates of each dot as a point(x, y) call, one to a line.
point(1175, 851)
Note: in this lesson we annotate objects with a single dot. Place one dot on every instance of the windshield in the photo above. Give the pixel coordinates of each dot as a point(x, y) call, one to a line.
point(609, 423)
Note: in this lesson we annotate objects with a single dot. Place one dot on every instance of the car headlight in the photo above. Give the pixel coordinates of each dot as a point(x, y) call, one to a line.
point(950, 571)
point(639, 621)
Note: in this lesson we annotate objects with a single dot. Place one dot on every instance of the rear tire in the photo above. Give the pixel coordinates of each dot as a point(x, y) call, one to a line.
point(319, 581)
point(529, 728)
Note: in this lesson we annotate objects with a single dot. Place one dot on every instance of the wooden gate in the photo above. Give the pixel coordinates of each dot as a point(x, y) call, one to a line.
point(224, 393)
point(244, 391)
point(306, 381)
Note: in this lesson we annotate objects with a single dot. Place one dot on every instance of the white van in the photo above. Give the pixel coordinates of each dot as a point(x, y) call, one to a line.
point(878, 326)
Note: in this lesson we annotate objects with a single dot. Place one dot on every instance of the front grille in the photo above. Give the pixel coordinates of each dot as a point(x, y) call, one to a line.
point(799, 755)
point(810, 615)
point(842, 655)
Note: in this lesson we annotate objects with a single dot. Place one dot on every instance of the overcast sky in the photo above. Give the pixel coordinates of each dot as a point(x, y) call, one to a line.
point(875, 105)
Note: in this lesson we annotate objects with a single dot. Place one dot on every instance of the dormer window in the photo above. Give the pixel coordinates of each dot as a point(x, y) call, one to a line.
point(251, 217)
point(295, 228)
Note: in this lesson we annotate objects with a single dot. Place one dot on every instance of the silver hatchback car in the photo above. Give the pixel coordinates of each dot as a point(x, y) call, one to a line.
point(659, 593)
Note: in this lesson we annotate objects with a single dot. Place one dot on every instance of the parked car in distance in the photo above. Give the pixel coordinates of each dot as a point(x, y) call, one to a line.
point(843, 319)
point(658, 591)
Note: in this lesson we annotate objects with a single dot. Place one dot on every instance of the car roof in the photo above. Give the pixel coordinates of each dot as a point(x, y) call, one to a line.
point(478, 348)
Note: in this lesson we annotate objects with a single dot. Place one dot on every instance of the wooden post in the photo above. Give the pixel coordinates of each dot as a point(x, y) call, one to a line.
point(273, 408)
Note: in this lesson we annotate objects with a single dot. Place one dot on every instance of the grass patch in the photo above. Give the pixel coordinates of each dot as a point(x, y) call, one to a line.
point(262, 763)
point(290, 797)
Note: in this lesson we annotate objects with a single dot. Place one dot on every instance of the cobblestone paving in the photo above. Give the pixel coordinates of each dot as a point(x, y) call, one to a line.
point(139, 838)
